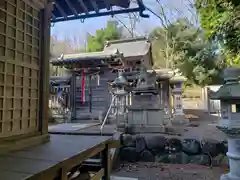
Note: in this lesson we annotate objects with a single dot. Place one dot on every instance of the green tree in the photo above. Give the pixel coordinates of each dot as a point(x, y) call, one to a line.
point(220, 20)
point(111, 32)
point(181, 45)
point(59, 47)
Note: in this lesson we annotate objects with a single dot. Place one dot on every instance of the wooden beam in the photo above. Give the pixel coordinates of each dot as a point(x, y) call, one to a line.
point(60, 10)
point(46, 14)
point(106, 2)
point(113, 144)
point(85, 9)
point(106, 163)
point(71, 7)
point(98, 175)
point(94, 4)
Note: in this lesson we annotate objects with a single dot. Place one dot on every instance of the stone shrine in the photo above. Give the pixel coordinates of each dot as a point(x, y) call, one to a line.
point(229, 96)
point(177, 91)
point(146, 114)
point(119, 93)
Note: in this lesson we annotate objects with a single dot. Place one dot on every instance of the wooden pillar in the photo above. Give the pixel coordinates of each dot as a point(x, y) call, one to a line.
point(106, 163)
point(44, 72)
point(73, 96)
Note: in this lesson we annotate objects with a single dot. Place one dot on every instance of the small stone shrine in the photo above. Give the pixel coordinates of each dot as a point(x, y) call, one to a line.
point(146, 114)
point(229, 123)
point(177, 91)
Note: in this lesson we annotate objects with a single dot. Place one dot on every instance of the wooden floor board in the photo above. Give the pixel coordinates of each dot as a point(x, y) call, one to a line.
point(40, 158)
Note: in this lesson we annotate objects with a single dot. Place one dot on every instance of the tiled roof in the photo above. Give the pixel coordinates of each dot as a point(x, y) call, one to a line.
point(130, 47)
point(59, 80)
point(95, 57)
point(227, 92)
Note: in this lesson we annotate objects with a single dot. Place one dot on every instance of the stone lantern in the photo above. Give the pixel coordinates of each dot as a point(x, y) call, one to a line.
point(177, 91)
point(229, 123)
point(119, 93)
point(146, 114)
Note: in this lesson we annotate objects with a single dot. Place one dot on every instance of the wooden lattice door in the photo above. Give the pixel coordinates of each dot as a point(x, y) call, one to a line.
point(19, 67)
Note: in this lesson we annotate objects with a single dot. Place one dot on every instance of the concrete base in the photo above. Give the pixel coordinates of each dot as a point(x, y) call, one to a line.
point(229, 177)
point(144, 129)
point(179, 120)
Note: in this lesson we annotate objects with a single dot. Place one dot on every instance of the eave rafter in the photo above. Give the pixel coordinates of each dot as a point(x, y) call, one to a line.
point(94, 5)
point(65, 10)
point(84, 7)
point(60, 10)
point(71, 7)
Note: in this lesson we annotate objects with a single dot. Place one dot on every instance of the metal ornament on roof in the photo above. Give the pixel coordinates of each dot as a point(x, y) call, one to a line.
point(120, 81)
point(146, 81)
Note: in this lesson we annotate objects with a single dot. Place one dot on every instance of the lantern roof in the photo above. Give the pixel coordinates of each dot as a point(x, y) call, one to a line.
point(120, 80)
point(231, 89)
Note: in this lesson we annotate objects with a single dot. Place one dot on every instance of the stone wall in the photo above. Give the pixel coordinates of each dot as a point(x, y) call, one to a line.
point(158, 148)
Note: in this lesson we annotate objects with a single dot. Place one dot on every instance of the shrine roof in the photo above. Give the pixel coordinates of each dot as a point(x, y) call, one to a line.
point(58, 80)
point(133, 47)
point(68, 59)
point(65, 10)
point(227, 92)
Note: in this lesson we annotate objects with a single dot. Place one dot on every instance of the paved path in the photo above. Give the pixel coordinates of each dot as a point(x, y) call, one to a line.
point(202, 126)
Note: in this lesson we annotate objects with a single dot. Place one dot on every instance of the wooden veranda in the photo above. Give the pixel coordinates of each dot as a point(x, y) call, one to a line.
point(64, 157)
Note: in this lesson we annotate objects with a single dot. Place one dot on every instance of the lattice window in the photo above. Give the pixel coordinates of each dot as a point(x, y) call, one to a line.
point(19, 67)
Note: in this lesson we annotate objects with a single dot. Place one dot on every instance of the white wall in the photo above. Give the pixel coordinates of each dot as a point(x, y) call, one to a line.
point(209, 105)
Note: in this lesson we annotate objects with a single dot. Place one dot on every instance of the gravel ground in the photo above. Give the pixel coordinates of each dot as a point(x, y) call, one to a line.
point(157, 171)
point(200, 128)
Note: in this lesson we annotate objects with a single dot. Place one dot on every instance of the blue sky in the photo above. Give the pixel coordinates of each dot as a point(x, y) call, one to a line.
point(79, 29)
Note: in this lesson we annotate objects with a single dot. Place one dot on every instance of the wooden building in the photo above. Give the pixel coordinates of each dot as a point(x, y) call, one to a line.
point(118, 55)
point(134, 50)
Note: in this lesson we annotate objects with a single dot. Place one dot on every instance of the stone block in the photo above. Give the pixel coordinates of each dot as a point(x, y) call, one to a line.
point(140, 144)
point(129, 154)
point(155, 142)
point(146, 156)
point(211, 147)
point(173, 145)
point(191, 146)
point(128, 140)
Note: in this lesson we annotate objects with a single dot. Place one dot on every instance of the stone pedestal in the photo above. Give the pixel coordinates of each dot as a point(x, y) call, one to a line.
point(178, 115)
point(233, 153)
point(146, 114)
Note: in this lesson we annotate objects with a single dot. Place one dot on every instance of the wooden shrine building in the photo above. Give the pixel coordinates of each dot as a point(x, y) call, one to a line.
point(91, 72)
point(27, 151)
